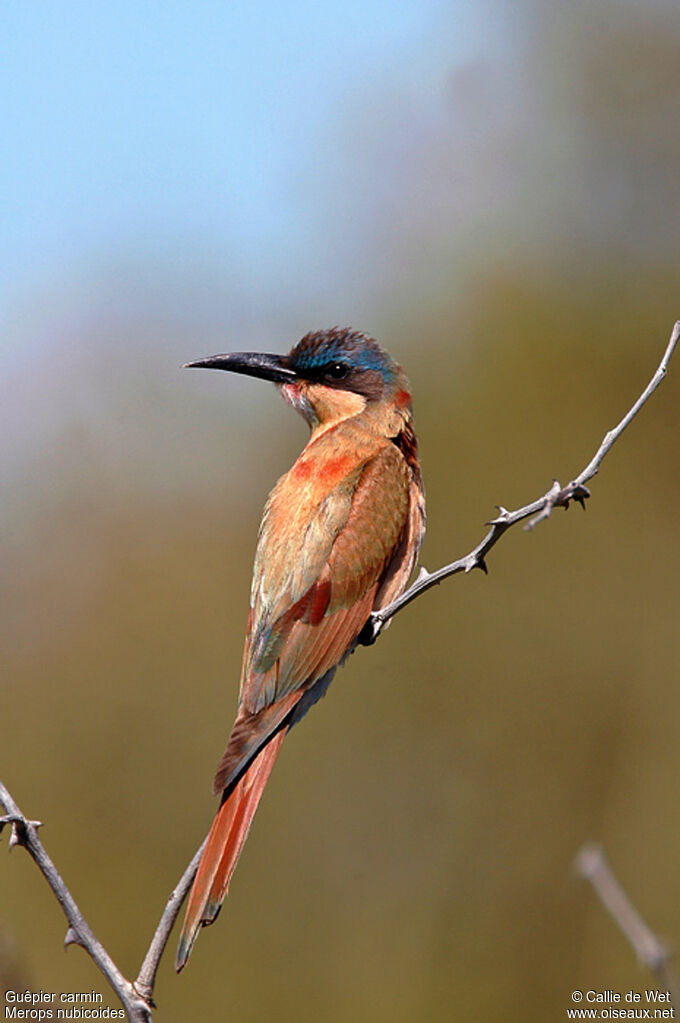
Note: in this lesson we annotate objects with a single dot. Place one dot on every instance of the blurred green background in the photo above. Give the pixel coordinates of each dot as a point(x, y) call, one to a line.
point(494, 193)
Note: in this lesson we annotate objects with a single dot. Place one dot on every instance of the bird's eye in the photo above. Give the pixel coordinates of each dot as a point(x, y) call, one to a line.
point(338, 370)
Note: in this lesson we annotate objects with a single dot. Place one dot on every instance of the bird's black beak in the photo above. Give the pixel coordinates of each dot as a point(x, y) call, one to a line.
point(253, 364)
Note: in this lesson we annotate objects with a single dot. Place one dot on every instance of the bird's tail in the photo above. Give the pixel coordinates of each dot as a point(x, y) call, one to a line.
point(223, 847)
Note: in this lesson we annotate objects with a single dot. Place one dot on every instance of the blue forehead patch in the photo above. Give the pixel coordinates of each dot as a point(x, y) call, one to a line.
point(322, 347)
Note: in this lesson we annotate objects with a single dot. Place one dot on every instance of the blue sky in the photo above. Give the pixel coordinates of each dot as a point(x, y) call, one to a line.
point(171, 119)
point(150, 144)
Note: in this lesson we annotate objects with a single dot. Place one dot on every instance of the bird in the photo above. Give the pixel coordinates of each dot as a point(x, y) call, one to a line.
point(339, 539)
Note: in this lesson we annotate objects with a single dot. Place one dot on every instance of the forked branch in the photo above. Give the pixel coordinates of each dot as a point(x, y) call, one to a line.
point(137, 997)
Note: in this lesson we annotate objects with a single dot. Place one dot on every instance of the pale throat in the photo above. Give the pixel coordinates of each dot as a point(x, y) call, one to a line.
point(322, 406)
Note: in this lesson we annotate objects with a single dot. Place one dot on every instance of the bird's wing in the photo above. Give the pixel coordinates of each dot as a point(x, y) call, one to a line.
point(318, 567)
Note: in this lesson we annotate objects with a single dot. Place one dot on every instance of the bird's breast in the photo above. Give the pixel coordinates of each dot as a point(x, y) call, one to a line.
point(322, 472)
point(306, 510)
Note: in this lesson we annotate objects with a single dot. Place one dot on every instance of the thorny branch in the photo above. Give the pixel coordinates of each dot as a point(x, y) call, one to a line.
point(537, 511)
point(137, 997)
point(592, 866)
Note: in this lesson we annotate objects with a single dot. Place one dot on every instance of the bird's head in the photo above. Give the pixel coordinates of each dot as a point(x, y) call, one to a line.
point(327, 376)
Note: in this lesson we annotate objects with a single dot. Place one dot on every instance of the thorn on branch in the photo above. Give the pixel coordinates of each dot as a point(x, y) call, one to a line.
point(72, 938)
point(572, 492)
point(581, 495)
point(17, 835)
point(476, 561)
point(502, 517)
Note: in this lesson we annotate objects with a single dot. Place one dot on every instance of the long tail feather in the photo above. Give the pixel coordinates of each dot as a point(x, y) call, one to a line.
point(225, 841)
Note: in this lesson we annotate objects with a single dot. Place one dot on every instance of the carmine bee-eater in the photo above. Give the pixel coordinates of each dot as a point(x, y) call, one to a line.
point(339, 538)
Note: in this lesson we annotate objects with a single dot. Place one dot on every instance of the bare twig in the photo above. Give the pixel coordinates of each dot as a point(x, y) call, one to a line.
point(592, 865)
point(147, 975)
point(536, 511)
point(136, 998)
